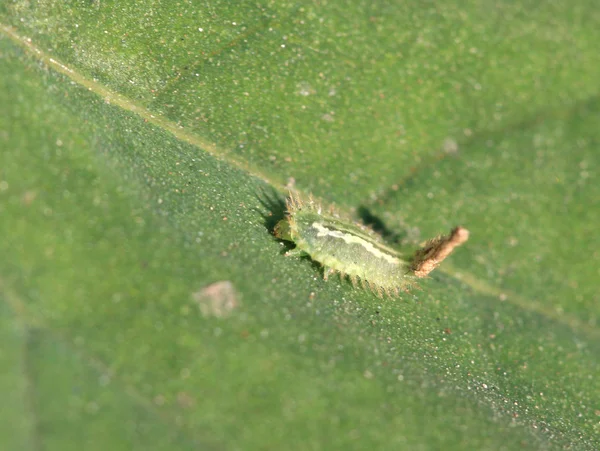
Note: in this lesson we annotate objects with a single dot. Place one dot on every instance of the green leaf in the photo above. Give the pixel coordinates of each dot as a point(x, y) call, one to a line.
point(145, 150)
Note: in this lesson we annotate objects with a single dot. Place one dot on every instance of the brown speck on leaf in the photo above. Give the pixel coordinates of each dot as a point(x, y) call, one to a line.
point(28, 197)
point(185, 400)
point(217, 299)
point(450, 146)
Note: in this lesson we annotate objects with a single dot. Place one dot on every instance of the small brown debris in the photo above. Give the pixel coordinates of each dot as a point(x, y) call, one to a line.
point(185, 400)
point(28, 197)
point(217, 299)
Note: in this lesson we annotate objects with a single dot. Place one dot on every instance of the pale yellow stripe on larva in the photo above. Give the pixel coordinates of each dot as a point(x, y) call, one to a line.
point(353, 239)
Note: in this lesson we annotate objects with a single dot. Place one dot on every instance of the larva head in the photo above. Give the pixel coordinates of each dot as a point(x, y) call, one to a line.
point(282, 230)
point(287, 229)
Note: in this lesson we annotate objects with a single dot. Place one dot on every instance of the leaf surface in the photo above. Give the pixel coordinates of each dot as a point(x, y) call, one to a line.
point(146, 304)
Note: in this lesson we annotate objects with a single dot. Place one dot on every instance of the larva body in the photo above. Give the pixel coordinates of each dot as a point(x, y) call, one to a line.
point(357, 252)
point(345, 248)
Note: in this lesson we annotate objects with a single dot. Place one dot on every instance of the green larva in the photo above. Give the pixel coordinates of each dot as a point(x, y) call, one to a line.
point(357, 252)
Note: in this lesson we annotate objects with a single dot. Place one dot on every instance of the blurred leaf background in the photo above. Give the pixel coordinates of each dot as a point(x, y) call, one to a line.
point(145, 147)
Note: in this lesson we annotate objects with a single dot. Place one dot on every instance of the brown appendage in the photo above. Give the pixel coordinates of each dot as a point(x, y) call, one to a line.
point(435, 251)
